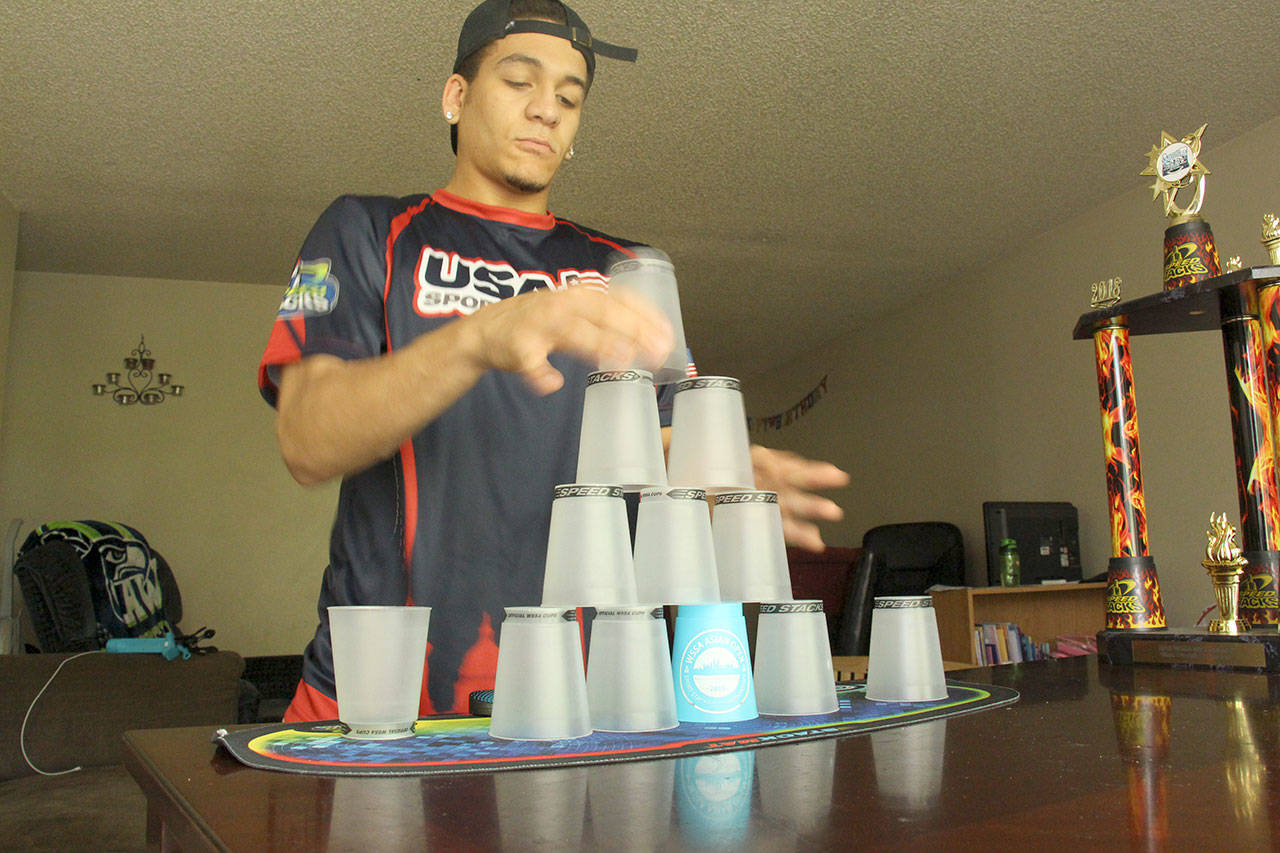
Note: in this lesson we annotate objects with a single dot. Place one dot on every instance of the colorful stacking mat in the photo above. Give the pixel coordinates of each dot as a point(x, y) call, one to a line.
point(462, 744)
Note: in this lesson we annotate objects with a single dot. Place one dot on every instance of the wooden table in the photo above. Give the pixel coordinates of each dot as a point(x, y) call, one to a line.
point(1091, 757)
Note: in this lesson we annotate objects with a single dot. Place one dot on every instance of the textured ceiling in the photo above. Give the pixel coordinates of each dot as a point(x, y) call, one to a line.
point(805, 164)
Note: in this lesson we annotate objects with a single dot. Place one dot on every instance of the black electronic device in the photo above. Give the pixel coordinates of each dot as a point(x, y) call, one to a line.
point(1048, 537)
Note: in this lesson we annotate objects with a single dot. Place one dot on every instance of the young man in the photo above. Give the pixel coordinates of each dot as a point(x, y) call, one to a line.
point(433, 351)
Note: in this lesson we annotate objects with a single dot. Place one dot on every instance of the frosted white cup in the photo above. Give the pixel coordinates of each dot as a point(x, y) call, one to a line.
point(540, 690)
point(709, 447)
point(751, 555)
point(629, 685)
point(621, 437)
point(675, 560)
point(793, 669)
point(378, 657)
point(588, 548)
point(652, 275)
point(905, 664)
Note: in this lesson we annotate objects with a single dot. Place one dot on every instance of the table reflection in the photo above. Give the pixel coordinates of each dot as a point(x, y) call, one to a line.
point(909, 764)
point(795, 783)
point(1142, 701)
point(1252, 731)
point(630, 804)
point(713, 796)
point(1143, 735)
point(549, 811)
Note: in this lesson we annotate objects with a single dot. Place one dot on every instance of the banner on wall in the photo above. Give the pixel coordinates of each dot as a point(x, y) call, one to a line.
point(791, 415)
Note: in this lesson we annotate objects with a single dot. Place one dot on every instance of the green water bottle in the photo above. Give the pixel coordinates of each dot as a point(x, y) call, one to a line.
point(1010, 566)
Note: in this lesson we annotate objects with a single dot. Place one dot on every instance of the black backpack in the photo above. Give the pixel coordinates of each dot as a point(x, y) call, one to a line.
point(86, 581)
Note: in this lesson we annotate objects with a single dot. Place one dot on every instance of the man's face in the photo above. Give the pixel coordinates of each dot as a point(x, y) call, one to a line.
point(519, 115)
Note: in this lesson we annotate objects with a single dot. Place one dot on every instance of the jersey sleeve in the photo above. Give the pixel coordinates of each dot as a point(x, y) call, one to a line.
point(334, 304)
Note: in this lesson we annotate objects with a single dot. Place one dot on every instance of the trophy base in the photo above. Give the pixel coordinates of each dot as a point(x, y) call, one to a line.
point(1233, 627)
point(1192, 647)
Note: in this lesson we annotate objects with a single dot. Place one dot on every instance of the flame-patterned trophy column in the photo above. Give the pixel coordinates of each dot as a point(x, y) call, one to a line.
point(1250, 419)
point(1133, 589)
point(1258, 598)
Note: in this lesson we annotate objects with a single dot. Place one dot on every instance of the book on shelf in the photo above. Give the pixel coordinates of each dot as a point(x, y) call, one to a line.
point(1003, 642)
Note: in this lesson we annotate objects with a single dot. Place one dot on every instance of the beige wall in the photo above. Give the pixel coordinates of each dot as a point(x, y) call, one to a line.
point(8, 255)
point(978, 393)
point(8, 258)
point(199, 475)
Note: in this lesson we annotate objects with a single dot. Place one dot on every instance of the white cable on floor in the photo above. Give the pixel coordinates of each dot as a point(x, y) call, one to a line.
point(22, 735)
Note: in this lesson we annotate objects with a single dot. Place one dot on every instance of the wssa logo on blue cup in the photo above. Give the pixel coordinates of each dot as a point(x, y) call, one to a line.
point(712, 667)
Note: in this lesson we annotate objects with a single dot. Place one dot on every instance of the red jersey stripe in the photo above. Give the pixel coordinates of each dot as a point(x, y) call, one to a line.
point(630, 253)
point(408, 465)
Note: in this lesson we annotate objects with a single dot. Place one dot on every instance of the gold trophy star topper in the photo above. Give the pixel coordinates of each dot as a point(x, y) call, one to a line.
point(1175, 164)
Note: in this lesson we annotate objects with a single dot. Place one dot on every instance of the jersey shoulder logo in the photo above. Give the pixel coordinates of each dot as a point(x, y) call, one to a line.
point(313, 290)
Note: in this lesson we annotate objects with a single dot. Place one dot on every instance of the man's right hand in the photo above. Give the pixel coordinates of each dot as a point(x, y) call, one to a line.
point(609, 329)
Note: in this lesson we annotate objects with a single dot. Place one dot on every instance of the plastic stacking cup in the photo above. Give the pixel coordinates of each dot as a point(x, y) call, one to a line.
point(709, 448)
point(588, 548)
point(793, 671)
point(629, 671)
point(711, 664)
point(652, 275)
point(905, 664)
point(675, 560)
point(751, 555)
point(378, 657)
point(621, 436)
point(540, 691)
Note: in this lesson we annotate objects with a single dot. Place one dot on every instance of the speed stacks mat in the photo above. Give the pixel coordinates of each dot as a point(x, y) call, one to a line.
point(461, 744)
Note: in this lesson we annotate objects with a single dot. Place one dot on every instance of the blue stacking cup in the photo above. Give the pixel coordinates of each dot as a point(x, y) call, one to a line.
point(711, 664)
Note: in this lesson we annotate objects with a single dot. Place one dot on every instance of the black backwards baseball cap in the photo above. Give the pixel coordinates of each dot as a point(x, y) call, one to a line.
point(492, 20)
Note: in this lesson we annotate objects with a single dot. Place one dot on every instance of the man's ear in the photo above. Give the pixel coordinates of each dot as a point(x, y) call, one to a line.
point(451, 100)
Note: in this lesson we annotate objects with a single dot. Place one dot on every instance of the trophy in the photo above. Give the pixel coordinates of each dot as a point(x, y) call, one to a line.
point(1225, 565)
point(1189, 252)
point(1271, 237)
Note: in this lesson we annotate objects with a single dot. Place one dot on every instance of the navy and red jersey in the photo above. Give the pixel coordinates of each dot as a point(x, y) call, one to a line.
point(458, 519)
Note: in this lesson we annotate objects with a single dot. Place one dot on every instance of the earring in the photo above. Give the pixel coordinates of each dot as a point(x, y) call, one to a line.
point(569, 155)
point(448, 116)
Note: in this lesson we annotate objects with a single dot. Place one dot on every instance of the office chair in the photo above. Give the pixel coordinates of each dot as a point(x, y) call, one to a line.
point(913, 557)
point(853, 631)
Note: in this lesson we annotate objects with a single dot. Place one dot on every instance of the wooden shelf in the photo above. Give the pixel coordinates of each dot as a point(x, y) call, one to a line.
point(1042, 612)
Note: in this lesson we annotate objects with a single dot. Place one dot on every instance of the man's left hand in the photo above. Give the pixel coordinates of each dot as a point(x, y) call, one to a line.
point(793, 477)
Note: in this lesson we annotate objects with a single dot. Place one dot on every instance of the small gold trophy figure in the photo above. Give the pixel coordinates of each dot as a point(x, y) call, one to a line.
point(1271, 237)
point(1225, 565)
point(1189, 252)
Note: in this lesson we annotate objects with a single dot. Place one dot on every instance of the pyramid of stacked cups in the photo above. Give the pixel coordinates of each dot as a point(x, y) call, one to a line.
point(706, 564)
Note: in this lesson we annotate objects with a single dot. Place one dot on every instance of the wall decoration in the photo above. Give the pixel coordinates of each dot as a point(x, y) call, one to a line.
point(791, 415)
point(140, 384)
